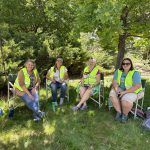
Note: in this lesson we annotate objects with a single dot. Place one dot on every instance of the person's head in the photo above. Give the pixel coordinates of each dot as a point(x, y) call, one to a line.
point(59, 62)
point(29, 64)
point(92, 62)
point(126, 65)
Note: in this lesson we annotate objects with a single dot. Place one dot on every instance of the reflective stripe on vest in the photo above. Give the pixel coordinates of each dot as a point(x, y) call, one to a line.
point(90, 78)
point(128, 80)
point(26, 79)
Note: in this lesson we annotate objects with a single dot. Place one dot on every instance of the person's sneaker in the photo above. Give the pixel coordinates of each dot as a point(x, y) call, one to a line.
point(61, 101)
point(118, 116)
point(75, 108)
point(84, 107)
point(41, 114)
point(36, 119)
point(124, 118)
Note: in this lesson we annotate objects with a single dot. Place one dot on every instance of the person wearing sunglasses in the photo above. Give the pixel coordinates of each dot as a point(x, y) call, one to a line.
point(89, 84)
point(57, 75)
point(126, 86)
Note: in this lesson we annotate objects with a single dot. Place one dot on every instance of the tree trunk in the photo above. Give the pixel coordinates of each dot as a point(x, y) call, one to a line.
point(122, 38)
point(121, 50)
point(2, 57)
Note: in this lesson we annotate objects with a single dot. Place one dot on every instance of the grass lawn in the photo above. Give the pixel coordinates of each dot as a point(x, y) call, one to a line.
point(94, 129)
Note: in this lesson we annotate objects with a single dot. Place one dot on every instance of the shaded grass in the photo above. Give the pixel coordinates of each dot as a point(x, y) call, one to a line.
point(94, 129)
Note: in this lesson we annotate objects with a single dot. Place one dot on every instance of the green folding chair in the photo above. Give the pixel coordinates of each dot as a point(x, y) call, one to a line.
point(99, 93)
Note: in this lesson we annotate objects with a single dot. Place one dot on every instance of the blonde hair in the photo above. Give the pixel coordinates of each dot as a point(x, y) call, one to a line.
point(30, 60)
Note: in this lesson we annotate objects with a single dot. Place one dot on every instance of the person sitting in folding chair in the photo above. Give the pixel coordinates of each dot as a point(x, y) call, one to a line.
point(26, 87)
point(57, 75)
point(126, 87)
point(89, 84)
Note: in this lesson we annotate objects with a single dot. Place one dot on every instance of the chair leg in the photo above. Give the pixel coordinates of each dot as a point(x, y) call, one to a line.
point(68, 94)
point(135, 109)
point(46, 92)
point(99, 100)
point(8, 94)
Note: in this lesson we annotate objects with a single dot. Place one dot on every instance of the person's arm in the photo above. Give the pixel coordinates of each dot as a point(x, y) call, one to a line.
point(22, 84)
point(115, 85)
point(66, 76)
point(114, 82)
point(37, 82)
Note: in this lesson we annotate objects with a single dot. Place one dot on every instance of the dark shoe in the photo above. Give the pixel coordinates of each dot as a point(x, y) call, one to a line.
point(75, 108)
point(11, 113)
point(84, 107)
point(124, 118)
point(118, 116)
point(42, 114)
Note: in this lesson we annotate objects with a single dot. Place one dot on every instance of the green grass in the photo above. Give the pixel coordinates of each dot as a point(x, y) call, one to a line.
point(93, 129)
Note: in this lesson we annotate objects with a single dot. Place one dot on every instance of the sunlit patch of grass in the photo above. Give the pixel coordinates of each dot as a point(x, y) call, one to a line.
point(94, 129)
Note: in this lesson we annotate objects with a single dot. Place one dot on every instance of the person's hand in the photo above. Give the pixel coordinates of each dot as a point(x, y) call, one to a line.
point(61, 81)
point(120, 94)
point(116, 89)
point(33, 90)
point(91, 86)
point(53, 81)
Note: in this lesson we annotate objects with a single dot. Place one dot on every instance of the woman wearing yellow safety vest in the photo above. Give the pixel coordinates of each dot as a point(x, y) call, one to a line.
point(26, 86)
point(89, 84)
point(57, 75)
point(126, 86)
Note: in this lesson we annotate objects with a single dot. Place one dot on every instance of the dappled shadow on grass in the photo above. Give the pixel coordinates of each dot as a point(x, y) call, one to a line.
point(82, 130)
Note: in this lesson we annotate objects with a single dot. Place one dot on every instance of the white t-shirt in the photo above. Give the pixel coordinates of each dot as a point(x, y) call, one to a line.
point(57, 74)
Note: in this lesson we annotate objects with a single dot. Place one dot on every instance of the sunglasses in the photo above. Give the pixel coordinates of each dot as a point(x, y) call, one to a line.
point(127, 64)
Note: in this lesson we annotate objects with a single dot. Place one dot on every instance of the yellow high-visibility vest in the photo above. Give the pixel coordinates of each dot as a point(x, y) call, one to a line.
point(26, 79)
point(128, 80)
point(61, 72)
point(89, 78)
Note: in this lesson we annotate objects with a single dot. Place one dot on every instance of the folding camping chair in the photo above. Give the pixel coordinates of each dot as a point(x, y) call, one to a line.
point(11, 95)
point(99, 93)
point(140, 100)
point(138, 103)
point(48, 88)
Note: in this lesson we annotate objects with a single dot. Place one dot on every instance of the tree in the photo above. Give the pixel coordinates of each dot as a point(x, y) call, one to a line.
point(115, 22)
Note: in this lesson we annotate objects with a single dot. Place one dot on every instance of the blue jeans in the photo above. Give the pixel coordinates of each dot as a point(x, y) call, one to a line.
point(32, 104)
point(55, 86)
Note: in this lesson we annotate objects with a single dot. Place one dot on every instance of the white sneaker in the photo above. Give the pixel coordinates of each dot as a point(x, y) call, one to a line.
point(61, 101)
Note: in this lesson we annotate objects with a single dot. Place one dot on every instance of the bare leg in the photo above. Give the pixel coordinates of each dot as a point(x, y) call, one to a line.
point(82, 91)
point(116, 103)
point(126, 107)
point(85, 97)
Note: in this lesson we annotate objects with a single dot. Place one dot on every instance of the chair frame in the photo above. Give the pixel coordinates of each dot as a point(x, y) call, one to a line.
point(101, 90)
point(11, 88)
point(137, 105)
point(48, 88)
